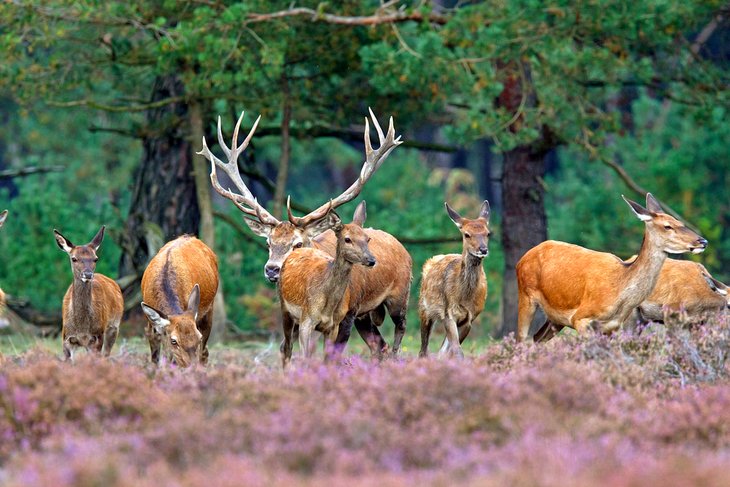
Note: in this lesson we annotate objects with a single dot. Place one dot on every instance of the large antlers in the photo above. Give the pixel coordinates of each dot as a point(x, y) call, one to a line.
point(245, 201)
point(373, 160)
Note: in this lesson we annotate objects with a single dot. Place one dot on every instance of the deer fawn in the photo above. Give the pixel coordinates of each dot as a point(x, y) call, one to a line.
point(453, 286)
point(178, 289)
point(3, 217)
point(387, 286)
point(93, 304)
point(577, 287)
point(318, 291)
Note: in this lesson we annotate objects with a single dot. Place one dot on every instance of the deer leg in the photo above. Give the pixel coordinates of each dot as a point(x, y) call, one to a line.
point(98, 344)
point(205, 326)
point(67, 351)
point(155, 342)
point(399, 320)
point(286, 343)
point(547, 332)
point(305, 336)
point(451, 343)
point(343, 335)
point(426, 327)
point(371, 335)
point(464, 332)
point(526, 308)
point(110, 337)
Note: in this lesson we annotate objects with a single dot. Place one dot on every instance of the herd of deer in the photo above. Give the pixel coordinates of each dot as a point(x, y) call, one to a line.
point(333, 275)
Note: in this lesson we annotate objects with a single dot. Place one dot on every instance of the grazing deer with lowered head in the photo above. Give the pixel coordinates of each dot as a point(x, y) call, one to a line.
point(178, 289)
point(319, 291)
point(93, 304)
point(577, 287)
point(454, 286)
point(387, 286)
point(3, 217)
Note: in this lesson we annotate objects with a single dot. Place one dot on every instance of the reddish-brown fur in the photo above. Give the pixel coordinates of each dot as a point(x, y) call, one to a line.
point(577, 287)
point(318, 291)
point(93, 304)
point(454, 286)
point(178, 289)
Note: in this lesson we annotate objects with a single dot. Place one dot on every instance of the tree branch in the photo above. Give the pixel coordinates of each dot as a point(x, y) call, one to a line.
point(27, 171)
point(380, 17)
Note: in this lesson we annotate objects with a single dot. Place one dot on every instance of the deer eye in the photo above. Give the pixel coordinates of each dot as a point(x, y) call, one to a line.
point(667, 227)
point(173, 342)
point(347, 240)
point(467, 235)
point(368, 240)
point(74, 259)
point(298, 245)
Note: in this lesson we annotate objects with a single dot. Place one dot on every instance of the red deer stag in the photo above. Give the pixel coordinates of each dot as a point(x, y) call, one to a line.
point(385, 286)
point(178, 289)
point(318, 291)
point(454, 286)
point(93, 304)
point(577, 287)
point(3, 217)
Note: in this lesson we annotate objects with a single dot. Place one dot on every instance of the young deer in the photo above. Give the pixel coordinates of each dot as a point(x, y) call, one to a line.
point(387, 286)
point(453, 286)
point(577, 287)
point(318, 291)
point(93, 304)
point(3, 217)
point(183, 273)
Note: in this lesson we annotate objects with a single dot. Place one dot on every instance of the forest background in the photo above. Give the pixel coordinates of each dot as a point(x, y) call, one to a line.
point(550, 110)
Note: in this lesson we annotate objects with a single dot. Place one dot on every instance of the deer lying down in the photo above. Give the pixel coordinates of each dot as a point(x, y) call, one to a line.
point(577, 287)
point(454, 286)
point(178, 290)
point(93, 304)
point(318, 291)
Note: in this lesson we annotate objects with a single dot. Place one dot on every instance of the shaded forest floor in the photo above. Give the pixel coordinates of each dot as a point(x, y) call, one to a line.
point(632, 409)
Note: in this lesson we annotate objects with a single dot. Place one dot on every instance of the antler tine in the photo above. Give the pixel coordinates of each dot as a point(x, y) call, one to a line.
point(373, 160)
point(244, 201)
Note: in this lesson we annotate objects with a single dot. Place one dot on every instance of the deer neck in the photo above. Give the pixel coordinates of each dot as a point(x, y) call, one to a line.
point(642, 274)
point(81, 303)
point(338, 275)
point(471, 272)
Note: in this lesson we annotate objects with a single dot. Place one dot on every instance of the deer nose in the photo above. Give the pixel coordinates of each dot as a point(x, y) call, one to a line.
point(702, 241)
point(87, 276)
point(271, 272)
point(483, 250)
point(370, 261)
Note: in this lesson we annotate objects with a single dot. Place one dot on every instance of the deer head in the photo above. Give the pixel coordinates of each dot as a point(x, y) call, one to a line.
point(180, 335)
point(83, 258)
point(475, 233)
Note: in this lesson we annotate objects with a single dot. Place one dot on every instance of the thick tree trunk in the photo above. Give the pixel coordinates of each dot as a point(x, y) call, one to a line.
point(283, 174)
point(164, 203)
point(524, 223)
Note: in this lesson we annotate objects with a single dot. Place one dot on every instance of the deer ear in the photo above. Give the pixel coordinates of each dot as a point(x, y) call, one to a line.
point(62, 242)
point(331, 221)
point(194, 301)
point(157, 318)
point(485, 211)
point(260, 229)
point(3, 217)
point(640, 212)
point(652, 204)
point(455, 217)
point(98, 238)
point(360, 214)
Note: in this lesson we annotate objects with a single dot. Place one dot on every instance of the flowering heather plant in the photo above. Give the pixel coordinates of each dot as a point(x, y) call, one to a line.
point(637, 408)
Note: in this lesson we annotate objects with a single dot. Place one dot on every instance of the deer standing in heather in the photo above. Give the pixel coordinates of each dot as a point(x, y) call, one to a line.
point(578, 288)
point(385, 287)
point(178, 289)
point(93, 304)
point(454, 286)
point(3, 217)
point(319, 291)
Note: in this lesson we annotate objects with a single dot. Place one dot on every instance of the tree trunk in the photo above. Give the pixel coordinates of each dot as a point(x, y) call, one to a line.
point(283, 173)
point(524, 223)
point(164, 203)
point(205, 204)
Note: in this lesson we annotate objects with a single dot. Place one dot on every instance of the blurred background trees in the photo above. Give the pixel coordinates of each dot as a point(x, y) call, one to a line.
point(550, 110)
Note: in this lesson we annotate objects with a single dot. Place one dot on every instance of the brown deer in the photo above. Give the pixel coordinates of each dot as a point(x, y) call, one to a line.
point(178, 289)
point(578, 287)
point(386, 286)
point(93, 304)
point(3, 217)
point(454, 286)
point(319, 291)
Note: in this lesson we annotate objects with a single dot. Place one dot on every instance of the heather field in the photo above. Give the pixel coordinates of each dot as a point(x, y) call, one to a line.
point(632, 409)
